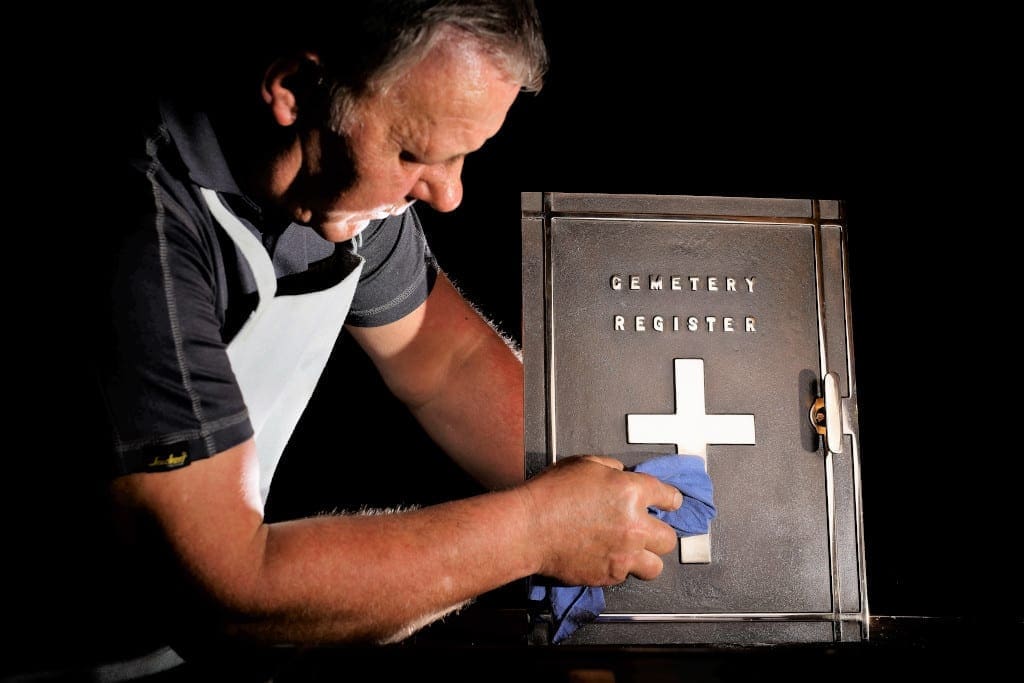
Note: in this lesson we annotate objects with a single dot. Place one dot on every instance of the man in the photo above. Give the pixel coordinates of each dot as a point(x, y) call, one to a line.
point(258, 217)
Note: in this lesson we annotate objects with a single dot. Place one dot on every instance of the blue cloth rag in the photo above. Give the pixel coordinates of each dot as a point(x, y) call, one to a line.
point(573, 606)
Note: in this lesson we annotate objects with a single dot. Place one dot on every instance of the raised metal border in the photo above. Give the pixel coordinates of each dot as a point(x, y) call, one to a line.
point(814, 222)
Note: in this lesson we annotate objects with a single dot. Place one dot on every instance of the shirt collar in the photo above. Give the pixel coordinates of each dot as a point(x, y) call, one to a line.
point(194, 137)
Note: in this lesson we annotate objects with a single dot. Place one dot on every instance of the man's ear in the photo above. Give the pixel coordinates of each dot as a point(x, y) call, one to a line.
point(291, 84)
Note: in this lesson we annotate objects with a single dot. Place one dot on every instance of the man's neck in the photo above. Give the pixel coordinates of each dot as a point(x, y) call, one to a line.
point(257, 150)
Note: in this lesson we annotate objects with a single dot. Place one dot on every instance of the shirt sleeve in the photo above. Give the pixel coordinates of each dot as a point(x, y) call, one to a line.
point(164, 377)
point(399, 272)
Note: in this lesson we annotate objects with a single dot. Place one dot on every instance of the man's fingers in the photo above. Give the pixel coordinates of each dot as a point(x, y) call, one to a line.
point(662, 538)
point(663, 496)
point(648, 566)
point(604, 460)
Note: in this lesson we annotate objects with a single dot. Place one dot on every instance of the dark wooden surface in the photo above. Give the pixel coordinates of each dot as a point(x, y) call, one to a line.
point(937, 649)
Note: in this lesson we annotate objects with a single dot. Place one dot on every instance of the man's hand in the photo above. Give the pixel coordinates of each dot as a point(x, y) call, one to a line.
point(590, 520)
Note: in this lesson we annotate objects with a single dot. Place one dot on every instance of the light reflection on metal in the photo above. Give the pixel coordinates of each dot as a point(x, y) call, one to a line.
point(652, 234)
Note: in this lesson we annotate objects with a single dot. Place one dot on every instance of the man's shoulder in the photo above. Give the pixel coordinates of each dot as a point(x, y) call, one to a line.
point(121, 155)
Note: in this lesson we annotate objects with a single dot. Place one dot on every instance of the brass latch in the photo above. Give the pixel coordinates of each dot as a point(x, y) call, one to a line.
point(826, 414)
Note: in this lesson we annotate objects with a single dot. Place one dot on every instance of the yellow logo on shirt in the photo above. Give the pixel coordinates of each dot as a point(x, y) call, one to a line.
point(170, 461)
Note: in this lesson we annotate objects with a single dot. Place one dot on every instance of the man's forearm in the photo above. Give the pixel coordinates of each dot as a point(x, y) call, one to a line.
point(380, 577)
point(425, 563)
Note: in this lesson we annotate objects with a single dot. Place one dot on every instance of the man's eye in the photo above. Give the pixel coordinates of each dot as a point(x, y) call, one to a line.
point(409, 157)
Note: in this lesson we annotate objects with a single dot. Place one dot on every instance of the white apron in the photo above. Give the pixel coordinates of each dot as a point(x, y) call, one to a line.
point(281, 350)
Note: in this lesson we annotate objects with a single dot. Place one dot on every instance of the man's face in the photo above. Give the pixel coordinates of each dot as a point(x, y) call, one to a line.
point(405, 144)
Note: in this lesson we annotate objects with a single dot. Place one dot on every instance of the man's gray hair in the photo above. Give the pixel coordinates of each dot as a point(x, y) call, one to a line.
point(378, 40)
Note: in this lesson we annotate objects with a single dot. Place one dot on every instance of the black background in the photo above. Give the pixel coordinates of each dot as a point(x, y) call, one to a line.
point(670, 101)
point(643, 99)
point(660, 101)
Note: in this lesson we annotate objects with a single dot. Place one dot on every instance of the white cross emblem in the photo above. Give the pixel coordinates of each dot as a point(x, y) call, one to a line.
point(690, 429)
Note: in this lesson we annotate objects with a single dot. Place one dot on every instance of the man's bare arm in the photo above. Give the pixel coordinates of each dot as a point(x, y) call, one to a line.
point(378, 578)
point(460, 378)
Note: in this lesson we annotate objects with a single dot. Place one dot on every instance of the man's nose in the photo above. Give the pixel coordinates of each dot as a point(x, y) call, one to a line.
point(440, 185)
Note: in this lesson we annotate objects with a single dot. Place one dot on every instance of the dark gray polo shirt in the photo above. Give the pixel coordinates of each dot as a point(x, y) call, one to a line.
point(176, 291)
